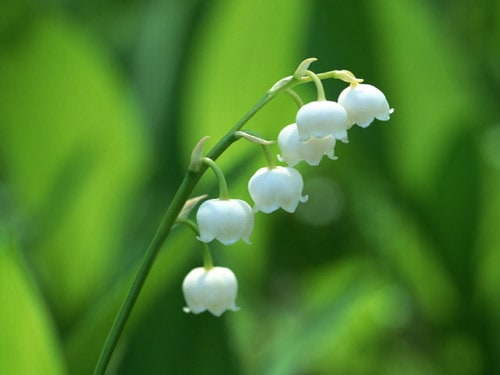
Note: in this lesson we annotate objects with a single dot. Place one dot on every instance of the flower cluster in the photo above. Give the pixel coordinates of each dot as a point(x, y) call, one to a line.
point(318, 125)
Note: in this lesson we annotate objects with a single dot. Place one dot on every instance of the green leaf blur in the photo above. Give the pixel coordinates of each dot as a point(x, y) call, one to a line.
point(390, 268)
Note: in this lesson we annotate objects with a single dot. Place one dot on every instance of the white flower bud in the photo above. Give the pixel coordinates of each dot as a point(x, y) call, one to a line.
point(212, 289)
point(364, 103)
point(322, 118)
point(226, 220)
point(272, 188)
point(293, 151)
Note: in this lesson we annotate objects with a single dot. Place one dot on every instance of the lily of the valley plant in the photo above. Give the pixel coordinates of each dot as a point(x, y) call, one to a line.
point(318, 125)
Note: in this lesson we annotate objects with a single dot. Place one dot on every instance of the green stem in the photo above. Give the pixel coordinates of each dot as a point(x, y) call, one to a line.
point(189, 182)
point(207, 257)
point(317, 82)
point(189, 223)
point(223, 190)
point(185, 189)
point(183, 192)
point(271, 163)
point(296, 98)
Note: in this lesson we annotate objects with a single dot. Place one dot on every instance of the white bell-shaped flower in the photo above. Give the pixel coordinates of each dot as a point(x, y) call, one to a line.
point(213, 289)
point(364, 103)
point(293, 151)
point(272, 188)
point(322, 118)
point(226, 220)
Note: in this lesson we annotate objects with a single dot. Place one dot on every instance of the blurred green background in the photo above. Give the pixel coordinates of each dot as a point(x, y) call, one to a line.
point(392, 267)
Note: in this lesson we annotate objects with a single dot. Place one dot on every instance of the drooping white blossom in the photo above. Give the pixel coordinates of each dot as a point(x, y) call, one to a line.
point(272, 188)
point(322, 118)
point(293, 151)
point(213, 289)
point(226, 220)
point(364, 103)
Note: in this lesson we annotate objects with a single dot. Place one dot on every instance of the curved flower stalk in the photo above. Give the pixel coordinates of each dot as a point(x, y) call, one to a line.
point(213, 289)
point(226, 220)
point(277, 187)
point(312, 151)
point(320, 123)
point(364, 103)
